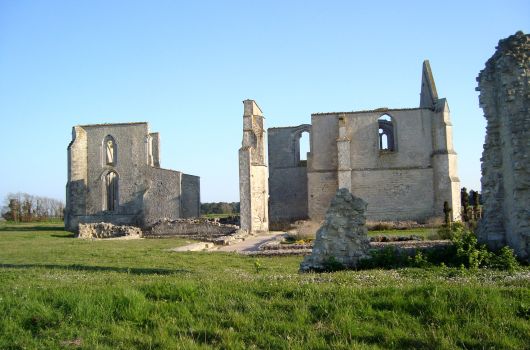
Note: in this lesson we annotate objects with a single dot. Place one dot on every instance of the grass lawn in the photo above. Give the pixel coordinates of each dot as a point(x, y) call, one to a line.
point(58, 292)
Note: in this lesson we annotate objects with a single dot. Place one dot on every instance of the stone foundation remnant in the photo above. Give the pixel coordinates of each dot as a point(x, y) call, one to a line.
point(253, 172)
point(200, 229)
point(504, 97)
point(106, 230)
point(343, 237)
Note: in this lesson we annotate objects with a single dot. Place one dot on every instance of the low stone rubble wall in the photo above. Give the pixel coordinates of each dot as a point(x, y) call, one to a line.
point(199, 229)
point(407, 248)
point(106, 230)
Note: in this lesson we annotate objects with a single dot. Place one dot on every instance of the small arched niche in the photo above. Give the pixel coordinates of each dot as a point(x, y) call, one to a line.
point(386, 133)
point(110, 151)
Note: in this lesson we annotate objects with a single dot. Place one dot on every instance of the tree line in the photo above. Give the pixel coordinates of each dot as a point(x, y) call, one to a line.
point(24, 207)
point(220, 208)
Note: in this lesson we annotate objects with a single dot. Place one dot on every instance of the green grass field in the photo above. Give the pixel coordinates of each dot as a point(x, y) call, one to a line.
point(58, 292)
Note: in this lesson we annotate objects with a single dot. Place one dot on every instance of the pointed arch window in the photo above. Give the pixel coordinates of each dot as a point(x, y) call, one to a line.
point(386, 133)
point(110, 183)
point(303, 148)
point(301, 144)
point(109, 151)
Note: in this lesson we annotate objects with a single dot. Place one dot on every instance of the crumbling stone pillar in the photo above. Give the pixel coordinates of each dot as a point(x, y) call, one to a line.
point(343, 237)
point(504, 97)
point(253, 172)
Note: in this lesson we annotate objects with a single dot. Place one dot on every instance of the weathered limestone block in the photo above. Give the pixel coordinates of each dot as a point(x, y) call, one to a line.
point(343, 236)
point(106, 230)
point(504, 97)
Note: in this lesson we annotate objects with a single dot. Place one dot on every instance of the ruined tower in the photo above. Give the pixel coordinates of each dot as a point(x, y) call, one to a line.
point(504, 97)
point(253, 172)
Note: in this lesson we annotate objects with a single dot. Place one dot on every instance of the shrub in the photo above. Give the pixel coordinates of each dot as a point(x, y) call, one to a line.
point(298, 238)
point(332, 264)
point(447, 232)
point(465, 252)
point(258, 266)
point(505, 260)
point(418, 260)
point(468, 251)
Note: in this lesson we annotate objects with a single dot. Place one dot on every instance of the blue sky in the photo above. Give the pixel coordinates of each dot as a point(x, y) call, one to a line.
point(185, 67)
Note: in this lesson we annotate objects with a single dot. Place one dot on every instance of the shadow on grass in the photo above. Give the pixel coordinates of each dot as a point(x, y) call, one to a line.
point(17, 228)
point(66, 234)
point(128, 270)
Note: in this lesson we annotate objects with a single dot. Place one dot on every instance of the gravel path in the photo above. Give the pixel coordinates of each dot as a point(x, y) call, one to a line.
point(251, 243)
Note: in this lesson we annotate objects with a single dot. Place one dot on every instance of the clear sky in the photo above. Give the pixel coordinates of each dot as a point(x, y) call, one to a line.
point(185, 67)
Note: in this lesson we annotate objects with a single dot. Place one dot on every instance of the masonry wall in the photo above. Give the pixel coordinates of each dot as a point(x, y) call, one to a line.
point(504, 97)
point(76, 187)
point(287, 174)
point(322, 166)
point(162, 197)
point(397, 185)
point(130, 150)
point(260, 197)
point(145, 193)
point(253, 172)
point(191, 196)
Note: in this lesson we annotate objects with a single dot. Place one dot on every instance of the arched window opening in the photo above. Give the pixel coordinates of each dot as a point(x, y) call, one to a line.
point(304, 146)
point(109, 150)
point(384, 141)
point(111, 191)
point(386, 133)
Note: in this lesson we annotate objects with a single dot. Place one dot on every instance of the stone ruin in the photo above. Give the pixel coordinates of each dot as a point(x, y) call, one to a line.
point(253, 173)
point(107, 230)
point(201, 229)
point(504, 97)
point(114, 176)
point(343, 236)
point(206, 230)
point(399, 160)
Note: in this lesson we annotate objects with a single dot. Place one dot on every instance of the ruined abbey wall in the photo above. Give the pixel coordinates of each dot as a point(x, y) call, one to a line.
point(504, 97)
point(406, 183)
point(141, 191)
point(287, 174)
point(400, 161)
